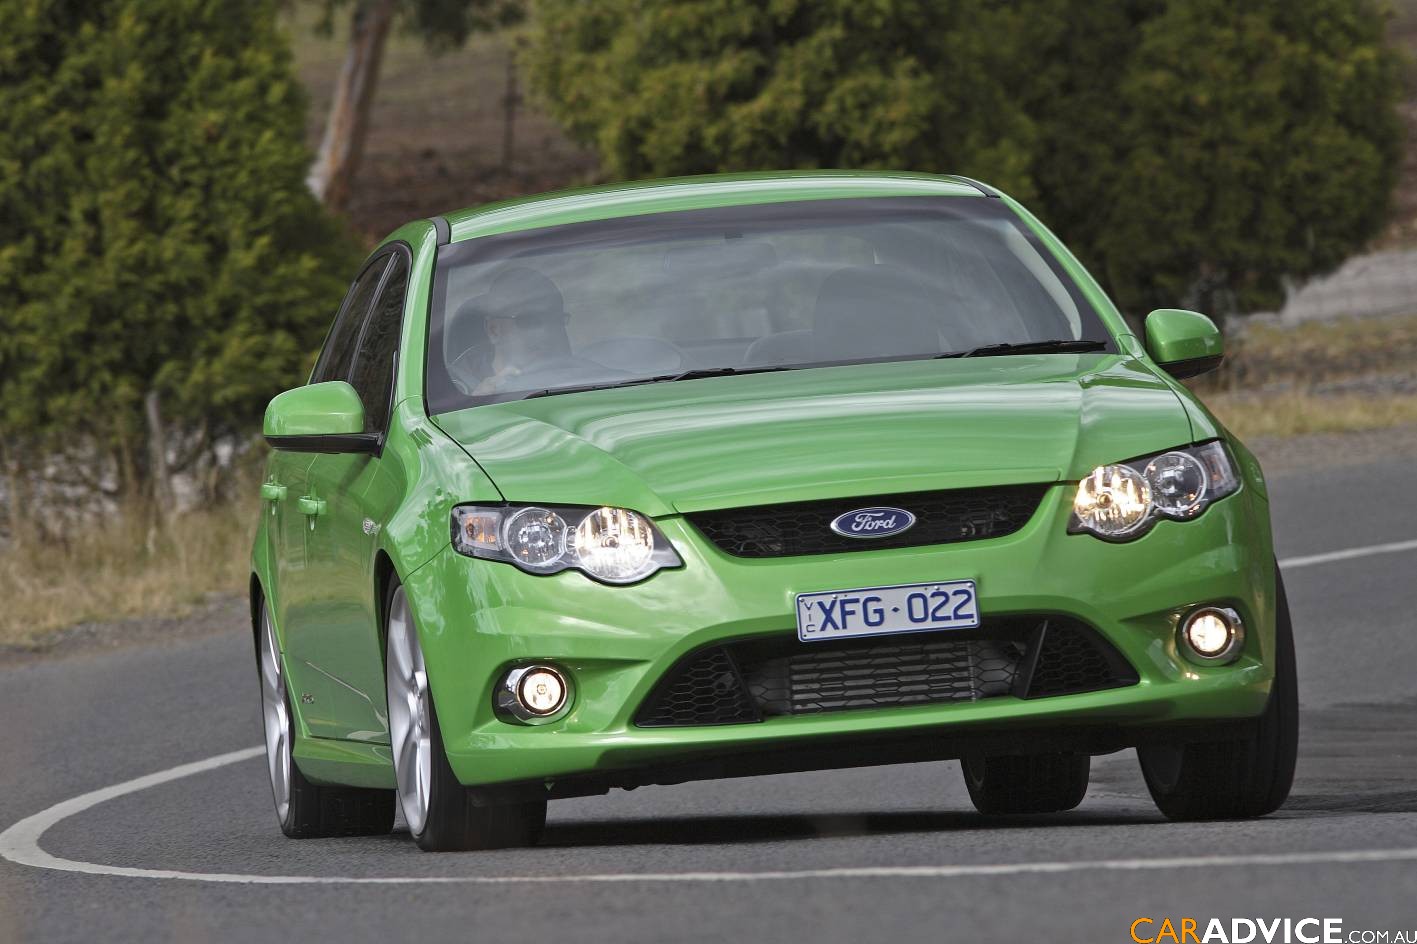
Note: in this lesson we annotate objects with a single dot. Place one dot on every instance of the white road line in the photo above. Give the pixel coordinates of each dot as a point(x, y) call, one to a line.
point(1289, 563)
point(20, 844)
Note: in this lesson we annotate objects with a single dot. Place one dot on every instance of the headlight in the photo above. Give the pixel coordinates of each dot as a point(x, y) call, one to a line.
point(1113, 501)
point(613, 545)
point(1120, 502)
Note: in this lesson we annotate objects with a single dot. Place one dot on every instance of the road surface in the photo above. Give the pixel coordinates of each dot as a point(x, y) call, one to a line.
point(878, 854)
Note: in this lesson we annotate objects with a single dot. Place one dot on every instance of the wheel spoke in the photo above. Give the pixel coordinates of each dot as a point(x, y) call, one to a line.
point(271, 680)
point(400, 659)
point(408, 764)
point(421, 762)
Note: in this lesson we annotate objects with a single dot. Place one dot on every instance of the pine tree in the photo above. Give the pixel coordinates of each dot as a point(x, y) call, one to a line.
point(163, 268)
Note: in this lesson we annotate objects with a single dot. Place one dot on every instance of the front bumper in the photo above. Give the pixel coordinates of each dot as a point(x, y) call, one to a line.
point(477, 618)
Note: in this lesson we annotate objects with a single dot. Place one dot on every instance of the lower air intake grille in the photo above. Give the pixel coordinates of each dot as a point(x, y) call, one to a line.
point(703, 689)
point(1074, 658)
point(911, 673)
point(747, 681)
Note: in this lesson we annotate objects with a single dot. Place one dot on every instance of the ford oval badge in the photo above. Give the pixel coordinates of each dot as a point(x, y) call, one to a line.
point(873, 522)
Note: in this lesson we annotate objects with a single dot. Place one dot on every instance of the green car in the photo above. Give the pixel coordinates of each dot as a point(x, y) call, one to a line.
point(742, 475)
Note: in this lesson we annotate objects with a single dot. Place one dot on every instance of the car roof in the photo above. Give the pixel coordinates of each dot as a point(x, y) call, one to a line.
point(692, 193)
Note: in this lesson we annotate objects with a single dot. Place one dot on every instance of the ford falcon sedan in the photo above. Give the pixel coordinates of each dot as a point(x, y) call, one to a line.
point(742, 475)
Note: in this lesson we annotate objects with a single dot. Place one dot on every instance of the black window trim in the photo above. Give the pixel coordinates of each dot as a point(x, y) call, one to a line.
point(402, 250)
point(379, 257)
point(385, 256)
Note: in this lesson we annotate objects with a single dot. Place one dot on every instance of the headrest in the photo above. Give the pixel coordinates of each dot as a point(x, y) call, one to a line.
point(874, 311)
point(518, 291)
point(467, 328)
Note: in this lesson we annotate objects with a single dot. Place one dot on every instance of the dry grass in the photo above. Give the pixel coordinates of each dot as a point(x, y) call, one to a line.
point(1317, 352)
point(1254, 415)
point(1318, 377)
point(119, 565)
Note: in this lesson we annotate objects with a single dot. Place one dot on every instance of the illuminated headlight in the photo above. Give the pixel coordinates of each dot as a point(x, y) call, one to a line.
point(1113, 501)
point(1120, 502)
point(613, 545)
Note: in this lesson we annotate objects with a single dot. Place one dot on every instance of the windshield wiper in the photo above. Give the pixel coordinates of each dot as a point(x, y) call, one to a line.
point(699, 373)
point(695, 374)
point(1028, 347)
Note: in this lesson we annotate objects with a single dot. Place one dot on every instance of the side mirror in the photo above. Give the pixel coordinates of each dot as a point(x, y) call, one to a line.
point(1184, 343)
point(322, 417)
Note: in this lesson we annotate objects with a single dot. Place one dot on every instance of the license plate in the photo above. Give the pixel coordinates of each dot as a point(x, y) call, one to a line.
point(878, 611)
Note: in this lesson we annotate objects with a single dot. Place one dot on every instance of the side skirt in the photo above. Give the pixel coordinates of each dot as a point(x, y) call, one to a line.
point(345, 763)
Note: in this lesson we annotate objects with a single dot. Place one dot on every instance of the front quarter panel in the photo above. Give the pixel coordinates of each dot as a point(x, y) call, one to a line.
point(440, 476)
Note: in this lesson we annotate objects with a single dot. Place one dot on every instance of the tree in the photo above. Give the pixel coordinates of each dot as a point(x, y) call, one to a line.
point(1191, 151)
point(706, 85)
point(164, 269)
point(1261, 141)
point(441, 23)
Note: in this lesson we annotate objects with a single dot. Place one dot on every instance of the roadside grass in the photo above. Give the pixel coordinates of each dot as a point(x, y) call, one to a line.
point(1279, 415)
point(121, 563)
point(1265, 354)
point(1316, 377)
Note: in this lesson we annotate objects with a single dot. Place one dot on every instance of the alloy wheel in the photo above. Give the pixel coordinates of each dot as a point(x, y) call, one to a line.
point(410, 723)
point(276, 716)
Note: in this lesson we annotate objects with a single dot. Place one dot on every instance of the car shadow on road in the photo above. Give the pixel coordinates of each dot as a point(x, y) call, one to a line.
point(1395, 801)
point(729, 829)
point(1356, 758)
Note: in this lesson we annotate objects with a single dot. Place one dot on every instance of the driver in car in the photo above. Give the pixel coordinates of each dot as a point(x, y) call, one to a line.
point(526, 326)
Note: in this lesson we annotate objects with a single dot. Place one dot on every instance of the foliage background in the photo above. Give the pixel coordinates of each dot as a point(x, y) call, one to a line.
point(160, 246)
point(158, 240)
point(1192, 151)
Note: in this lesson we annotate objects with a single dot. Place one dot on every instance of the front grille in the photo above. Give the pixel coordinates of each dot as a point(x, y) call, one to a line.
point(917, 672)
point(748, 681)
point(1072, 658)
point(798, 528)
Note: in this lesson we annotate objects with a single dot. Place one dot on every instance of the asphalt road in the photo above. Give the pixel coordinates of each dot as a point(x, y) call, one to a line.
point(890, 853)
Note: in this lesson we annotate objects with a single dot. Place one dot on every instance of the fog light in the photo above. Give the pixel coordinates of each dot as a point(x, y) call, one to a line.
point(1213, 634)
point(541, 691)
point(533, 693)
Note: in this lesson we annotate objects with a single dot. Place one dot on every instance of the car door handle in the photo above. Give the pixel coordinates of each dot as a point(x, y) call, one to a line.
point(272, 492)
point(311, 506)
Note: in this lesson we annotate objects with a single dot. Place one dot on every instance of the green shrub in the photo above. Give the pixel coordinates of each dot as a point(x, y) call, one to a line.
point(1191, 151)
point(158, 237)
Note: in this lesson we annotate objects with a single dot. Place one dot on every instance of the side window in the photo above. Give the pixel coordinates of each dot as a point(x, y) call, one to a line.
point(373, 373)
point(338, 353)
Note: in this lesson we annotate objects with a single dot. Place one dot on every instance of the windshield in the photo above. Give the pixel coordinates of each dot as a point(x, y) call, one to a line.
point(743, 288)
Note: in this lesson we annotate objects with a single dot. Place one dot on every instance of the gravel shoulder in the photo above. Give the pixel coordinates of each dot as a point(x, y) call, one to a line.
point(1329, 450)
point(219, 613)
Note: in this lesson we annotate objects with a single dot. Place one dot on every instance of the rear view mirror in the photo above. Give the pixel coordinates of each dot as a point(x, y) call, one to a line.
point(1184, 343)
point(322, 417)
point(726, 258)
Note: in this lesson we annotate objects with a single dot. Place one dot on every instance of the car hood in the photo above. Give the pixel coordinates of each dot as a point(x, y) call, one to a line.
point(827, 432)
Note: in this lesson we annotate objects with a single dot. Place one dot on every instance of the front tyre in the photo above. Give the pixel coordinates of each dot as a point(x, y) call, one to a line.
point(442, 814)
point(308, 810)
point(1031, 783)
point(1235, 779)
